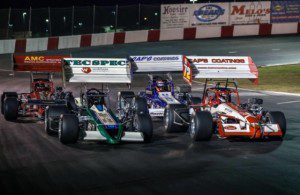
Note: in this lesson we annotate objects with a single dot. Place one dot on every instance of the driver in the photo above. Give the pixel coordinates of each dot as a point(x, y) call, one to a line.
point(95, 99)
point(161, 86)
point(40, 87)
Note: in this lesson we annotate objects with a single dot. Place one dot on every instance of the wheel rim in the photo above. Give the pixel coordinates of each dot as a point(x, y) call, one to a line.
point(193, 126)
point(136, 125)
point(46, 124)
point(166, 119)
point(59, 130)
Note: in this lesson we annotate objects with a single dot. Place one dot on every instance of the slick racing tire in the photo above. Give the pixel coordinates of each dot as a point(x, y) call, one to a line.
point(277, 117)
point(68, 129)
point(53, 112)
point(5, 95)
point(11, 107)
point(141, 106)
point(143, 123)
point(170, 117)
point(201, 127)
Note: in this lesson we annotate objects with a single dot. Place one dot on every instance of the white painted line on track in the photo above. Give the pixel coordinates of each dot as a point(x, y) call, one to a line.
point(232, 52)
point(289, 102)
point(275, 49)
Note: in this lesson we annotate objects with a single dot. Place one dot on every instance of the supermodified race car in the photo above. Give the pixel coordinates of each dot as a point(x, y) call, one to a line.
point(220, 110)
point(160, 91)
point(42, 91)
point(90, 117)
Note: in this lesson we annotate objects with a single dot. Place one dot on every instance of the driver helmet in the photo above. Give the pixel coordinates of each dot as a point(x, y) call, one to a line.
point(160, 85)
point(40, 87)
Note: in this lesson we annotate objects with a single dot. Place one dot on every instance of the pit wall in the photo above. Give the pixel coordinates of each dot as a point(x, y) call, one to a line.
point(88, 40)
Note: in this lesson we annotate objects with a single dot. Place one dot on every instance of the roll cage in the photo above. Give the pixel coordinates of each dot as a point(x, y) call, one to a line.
point(219, 92)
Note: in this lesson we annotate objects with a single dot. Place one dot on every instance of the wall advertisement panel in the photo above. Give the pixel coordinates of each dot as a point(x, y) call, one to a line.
point(209, 14)
point(174, 16)
point(285, 11)
point(250, 12)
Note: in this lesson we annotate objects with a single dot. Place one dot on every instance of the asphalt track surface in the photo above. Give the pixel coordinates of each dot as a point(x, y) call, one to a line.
point(32, 162)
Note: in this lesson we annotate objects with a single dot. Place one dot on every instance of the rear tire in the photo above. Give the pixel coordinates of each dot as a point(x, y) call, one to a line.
point(53, 112)
point(201, 127)
point(144, 125)
point(68, 129)
point(11, 108)
point(278, 117)
point(170, 117)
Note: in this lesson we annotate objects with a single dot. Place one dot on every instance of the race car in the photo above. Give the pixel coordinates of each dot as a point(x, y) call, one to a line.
point(42, 91)
point(221, 110)
point(160, 91)
point(90, 116)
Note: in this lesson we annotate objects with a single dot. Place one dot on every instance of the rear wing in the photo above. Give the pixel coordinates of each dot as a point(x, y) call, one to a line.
point(156, 63)
point(37, 63)
point(96, 70)
point(219, 67)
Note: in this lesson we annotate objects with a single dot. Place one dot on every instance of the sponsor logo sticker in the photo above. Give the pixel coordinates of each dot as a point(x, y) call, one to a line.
point(86, 70)
point(230, 127)
point(209, 13)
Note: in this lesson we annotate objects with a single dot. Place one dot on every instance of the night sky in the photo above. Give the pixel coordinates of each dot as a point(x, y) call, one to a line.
point(67, 3)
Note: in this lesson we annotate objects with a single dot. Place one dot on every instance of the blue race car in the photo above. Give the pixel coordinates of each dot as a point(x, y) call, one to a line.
point(161, 92)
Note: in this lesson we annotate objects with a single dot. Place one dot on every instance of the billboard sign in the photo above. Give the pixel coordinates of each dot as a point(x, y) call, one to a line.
point(250, 12)
point(209, 14)
point(285, 11)
point(174, 16)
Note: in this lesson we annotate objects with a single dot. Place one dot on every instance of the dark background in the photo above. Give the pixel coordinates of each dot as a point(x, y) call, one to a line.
point(65, 3)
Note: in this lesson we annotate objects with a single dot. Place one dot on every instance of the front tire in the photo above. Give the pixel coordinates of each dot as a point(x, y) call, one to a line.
point(68, 129)
point(170, 118)
point(144, 124)
point(201, 127)
point(5, 95)
point(277, 117)
point(52, 112)
point(141, 106)
point(11, 108)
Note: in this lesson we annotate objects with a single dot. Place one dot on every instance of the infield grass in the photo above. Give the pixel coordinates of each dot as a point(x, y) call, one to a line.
point(276, 78)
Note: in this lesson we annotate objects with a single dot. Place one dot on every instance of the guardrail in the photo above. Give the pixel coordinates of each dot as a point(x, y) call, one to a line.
point(200, 32)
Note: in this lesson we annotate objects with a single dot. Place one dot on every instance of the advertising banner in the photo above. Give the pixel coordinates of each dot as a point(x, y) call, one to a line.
point(250, 12)
point(285, 11)
point(174, 16)
point(97, 70)
point(38, 63)
point(209, 14)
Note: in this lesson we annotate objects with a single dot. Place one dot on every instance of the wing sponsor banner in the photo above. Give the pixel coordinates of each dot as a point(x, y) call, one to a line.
point(34, 63)
point(174, 16)
point(209, 14)
point(250, 12)
point(97, 70)
point(222, 67)
point(285, 11)
point(157, 63)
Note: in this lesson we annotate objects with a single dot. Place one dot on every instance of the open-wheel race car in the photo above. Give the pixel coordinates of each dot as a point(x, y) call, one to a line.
point(161, 91)
point(42, 90)
point(90, 117)
point(220, 110)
